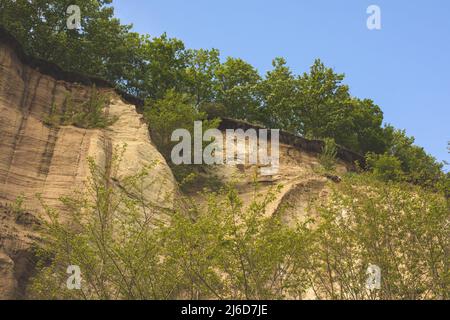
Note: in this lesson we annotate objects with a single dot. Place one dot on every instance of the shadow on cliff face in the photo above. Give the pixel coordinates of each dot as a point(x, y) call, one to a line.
point(17, 256)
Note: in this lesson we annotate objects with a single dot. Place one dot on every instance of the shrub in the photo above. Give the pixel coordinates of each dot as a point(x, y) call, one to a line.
point(90, 114)
point(385, 167)
point(176, 111)
point(127, 248)
point(228, 251)
point(53, 119)
point(400, 228)
point(328, 156)
point(110, 236)
point(18, 205)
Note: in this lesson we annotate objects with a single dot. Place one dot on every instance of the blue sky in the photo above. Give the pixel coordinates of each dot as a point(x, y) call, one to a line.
point(404, 67)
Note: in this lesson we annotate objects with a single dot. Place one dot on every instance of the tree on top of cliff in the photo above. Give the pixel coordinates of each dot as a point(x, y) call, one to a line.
point(316, 104)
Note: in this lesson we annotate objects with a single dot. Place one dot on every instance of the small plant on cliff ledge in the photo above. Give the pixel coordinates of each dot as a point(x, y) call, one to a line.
point(177, 111)
point(90, 114)
point(53, 119)
point(18, 204)
point(93, 113)
point(328, 156)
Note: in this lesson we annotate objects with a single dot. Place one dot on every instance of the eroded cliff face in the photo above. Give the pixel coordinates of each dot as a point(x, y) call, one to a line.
point(52, 161)
point(300, 174)
point(39, 159)
point(299, 177)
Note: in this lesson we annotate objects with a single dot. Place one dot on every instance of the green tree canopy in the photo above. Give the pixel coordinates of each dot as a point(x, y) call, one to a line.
point(237, 85)
point(316, 104)
point(279, 92)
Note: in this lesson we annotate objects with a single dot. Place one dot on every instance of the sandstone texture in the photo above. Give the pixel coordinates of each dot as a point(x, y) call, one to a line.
point(52, 161)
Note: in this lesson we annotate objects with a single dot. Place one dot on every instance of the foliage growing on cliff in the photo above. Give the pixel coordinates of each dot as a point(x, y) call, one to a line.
point(89, 114)
point(385, 167)
point(404, 161)
point(402, 229)
point(328, 156)
point(129, 248)
point(110, 236)
point(176, 111)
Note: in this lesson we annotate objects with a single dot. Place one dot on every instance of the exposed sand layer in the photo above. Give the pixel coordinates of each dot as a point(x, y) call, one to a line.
point(52, 161)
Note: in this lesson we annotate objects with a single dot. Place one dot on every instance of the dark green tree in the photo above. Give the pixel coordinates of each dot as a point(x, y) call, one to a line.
point(200, 72)
point(279, 92)
point(237, 85)
point(420, 167)
point(102, 46)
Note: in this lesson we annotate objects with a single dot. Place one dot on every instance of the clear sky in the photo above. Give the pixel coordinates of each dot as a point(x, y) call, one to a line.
point(404, 67)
